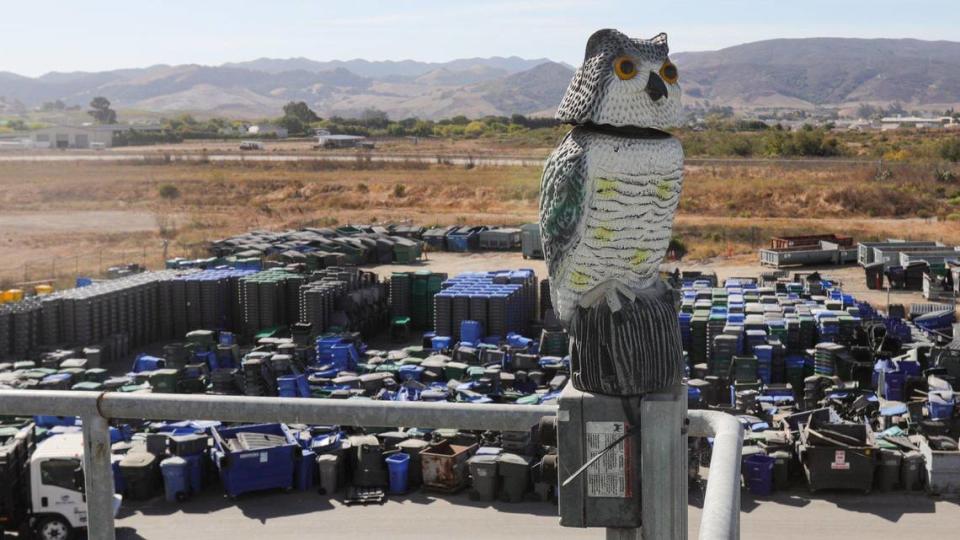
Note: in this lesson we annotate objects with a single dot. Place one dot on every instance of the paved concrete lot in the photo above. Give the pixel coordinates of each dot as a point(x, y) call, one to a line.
point(278, 515)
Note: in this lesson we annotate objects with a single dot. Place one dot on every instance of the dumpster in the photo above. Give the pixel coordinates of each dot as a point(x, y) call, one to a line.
point(254, 457)
point(444, 466)
point(942, 469)
point(831, 460)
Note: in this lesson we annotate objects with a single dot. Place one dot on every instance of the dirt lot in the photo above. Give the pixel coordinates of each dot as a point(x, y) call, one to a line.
point(88, 215)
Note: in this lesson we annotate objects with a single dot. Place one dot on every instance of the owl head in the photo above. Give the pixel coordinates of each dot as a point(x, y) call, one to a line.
point(623, 82)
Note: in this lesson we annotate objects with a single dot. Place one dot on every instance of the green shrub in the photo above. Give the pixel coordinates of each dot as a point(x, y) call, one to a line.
point(950, 149)
point(169, 191)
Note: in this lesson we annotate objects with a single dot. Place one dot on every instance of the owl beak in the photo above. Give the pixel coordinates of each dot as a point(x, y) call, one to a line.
point(656, 88)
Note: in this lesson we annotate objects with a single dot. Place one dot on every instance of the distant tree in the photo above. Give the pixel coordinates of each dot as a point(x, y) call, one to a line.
point(867, 111)
point(101, 112)
point(56, 105)
point(896, 109)
point(301, 111)
point(293, 125)
point(374, 118)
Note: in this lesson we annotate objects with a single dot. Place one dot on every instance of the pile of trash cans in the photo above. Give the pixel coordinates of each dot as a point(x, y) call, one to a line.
point(832, 393)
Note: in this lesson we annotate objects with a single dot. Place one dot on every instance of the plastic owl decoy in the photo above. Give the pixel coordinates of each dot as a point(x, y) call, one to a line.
point(608, 195)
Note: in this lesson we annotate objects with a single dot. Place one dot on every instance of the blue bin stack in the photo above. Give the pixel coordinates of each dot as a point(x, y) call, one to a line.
point(764, 354)
point(502, 302)
point(293, 386)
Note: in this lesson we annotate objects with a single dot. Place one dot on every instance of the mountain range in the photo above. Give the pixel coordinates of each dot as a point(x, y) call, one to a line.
point(780, 73)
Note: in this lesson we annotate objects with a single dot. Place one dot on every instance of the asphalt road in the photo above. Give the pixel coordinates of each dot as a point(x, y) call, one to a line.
point(276, 515)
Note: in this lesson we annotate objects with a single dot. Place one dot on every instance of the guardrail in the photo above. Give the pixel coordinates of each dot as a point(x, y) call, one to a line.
point(721, 504)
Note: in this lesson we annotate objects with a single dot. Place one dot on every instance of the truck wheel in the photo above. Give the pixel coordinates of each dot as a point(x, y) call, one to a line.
point(54, 528)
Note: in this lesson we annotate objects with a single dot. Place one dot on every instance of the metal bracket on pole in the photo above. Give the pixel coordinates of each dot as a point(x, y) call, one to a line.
point(663, 458)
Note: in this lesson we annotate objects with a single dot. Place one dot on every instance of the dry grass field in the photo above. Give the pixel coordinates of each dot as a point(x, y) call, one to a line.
point(70, 209)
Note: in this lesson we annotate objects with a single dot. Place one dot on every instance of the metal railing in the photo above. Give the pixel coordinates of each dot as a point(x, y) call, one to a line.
point(721, 507)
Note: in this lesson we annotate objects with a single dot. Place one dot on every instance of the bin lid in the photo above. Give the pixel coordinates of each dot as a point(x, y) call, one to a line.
point(138, 460)
point(413, 444)
point(482, 461)
point(173, 461)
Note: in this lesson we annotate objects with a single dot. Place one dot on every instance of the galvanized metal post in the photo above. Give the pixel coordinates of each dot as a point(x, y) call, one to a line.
point(98, 475)
point(614, 533)
point(720, 519)
point(663, 458)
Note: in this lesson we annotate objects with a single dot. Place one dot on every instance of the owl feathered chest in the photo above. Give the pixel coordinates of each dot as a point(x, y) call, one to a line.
point(631, 188)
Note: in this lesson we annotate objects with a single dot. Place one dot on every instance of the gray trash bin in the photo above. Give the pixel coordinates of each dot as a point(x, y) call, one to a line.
point(328, 465)
point(911, 469)
point(514, 473)
point(888, 470)
point(781, 469)
point(483, 473)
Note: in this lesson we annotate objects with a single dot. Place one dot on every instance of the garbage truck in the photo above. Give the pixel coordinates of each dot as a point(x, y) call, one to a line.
point(42, 485)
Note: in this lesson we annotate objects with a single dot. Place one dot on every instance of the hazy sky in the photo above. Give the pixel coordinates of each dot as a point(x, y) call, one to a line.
point(67, 35)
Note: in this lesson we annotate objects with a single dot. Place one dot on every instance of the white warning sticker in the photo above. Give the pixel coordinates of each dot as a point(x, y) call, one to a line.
point(610, 475)
point(840, 461)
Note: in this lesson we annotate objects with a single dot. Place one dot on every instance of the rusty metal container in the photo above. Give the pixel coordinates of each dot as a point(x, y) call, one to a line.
point(444, 466)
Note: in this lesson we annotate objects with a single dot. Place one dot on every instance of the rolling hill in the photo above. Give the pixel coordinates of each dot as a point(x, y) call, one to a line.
point(825, 71)
point(780, 73)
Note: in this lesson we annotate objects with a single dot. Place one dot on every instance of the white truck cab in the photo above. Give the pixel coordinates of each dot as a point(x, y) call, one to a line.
point(57, 487)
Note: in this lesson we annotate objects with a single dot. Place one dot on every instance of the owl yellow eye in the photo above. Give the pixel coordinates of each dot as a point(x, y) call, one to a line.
point(668, 72)
point(625, 68)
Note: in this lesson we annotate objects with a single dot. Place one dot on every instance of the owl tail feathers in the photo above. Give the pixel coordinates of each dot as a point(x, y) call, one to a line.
point(634, 350)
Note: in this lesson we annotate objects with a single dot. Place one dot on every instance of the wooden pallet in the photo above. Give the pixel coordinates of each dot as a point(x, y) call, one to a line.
point(364, 496)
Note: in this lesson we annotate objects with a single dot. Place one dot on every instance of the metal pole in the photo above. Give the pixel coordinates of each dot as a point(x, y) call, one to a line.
point(663, 456)
point(98, 477)
point(720, 519)
point(614, 533)
point(368, 413)
point(364, 413)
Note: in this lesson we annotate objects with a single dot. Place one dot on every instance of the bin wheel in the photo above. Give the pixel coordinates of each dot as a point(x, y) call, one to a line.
point(54, 528)
point(182, 496)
